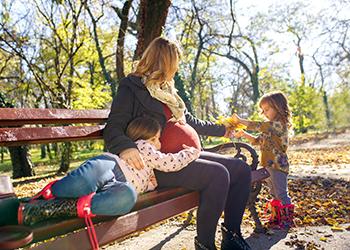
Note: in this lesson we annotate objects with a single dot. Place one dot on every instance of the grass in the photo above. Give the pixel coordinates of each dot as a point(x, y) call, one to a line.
point(48, 166)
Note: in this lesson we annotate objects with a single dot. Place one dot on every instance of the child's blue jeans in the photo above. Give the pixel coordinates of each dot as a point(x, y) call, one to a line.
point(101, 174)
point(277, 182)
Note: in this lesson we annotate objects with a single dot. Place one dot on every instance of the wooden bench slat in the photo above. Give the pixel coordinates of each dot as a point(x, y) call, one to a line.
point(14, 116)
point(20, 136)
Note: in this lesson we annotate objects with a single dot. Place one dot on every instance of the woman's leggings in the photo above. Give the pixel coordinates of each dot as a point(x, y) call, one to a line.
point(224, 185)
point(101, 174)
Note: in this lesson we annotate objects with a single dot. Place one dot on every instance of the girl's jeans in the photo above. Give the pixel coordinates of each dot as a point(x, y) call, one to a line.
point(101, 174)
point(277, 182)
point(224, 185)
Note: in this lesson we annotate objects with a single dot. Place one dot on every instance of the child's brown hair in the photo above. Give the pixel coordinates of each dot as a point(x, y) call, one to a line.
point(279, 102)
point(142, 128)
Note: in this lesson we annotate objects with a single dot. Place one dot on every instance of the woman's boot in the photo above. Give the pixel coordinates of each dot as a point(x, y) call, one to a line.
point(200, 246)
point(232, 241)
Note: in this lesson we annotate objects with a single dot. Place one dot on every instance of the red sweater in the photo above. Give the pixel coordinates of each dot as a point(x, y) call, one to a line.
point(175, 134)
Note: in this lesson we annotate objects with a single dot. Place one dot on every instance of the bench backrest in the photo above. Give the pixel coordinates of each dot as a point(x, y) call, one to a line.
point(20, 126)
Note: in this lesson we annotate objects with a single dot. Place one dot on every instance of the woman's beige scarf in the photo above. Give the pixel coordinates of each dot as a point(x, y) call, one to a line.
point(167, 94)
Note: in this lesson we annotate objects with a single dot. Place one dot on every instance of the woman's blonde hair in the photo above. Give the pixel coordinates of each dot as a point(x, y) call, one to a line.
point(159, 62)
point(279, 102)
point(142, 128)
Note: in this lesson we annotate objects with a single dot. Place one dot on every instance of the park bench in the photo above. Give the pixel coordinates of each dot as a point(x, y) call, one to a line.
point(40, 126)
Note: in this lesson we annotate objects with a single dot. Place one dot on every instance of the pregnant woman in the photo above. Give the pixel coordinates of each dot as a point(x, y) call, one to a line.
point(222, 181)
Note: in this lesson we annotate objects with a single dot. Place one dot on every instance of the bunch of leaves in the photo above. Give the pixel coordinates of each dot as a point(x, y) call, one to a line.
point(230, 122)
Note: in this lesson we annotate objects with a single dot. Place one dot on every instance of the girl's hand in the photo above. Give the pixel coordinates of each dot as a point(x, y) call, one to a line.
point(188, 147)
point(132, 157)
point(153, 180)
point(239, 133)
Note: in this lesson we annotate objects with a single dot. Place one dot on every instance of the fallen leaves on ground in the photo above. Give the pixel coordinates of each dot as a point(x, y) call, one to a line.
point(324, 156)
point(29, 188)
point(304, 138)
point(318, 201)
point(303, 244)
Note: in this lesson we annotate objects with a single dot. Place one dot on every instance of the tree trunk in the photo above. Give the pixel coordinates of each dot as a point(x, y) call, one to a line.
point(65, 157)
point(49, 151)
point(42, 151)
point(179, 84)
point(326, 105)
point(301, 63)
point(21, 163)
point(2, 150)
point(213, 102)
point(255, 85)
point(56, 149)
point(152, 16)
point(121, 40)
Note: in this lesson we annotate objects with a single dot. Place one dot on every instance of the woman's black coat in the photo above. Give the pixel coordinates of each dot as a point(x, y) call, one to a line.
point(133, 100)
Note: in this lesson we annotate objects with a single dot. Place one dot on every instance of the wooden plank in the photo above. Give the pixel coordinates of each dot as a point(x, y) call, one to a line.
point(111, 230)
point(20, 136)
point(22, 116)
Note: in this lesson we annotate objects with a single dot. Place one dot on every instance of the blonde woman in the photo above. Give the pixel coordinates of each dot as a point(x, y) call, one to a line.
point(223, 182)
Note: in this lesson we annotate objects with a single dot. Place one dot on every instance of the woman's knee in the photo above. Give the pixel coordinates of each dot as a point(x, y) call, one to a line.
point(245, 169)
point(240, 171)
point(219, 176)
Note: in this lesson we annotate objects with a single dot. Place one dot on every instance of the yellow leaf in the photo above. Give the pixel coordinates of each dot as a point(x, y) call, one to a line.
point(337, 229)
point(230, 122)
point(323, 239)
point(318, 203)
point(331, 221)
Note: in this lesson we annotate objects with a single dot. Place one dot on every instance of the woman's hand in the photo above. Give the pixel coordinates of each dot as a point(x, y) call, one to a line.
point(132, 157)
point(230, 132)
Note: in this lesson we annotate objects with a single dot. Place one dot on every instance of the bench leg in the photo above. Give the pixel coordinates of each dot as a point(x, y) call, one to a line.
point(189, 218)
point(251, 206)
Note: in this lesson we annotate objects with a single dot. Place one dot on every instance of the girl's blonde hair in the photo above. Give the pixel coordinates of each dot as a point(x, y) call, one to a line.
point(159, 62)
point(142, 128)
point(279, 102)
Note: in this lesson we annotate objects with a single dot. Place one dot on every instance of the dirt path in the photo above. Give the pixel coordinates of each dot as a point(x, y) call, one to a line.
point(172, 235)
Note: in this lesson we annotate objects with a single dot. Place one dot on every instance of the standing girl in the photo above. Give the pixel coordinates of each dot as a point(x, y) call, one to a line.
point(273, 142)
